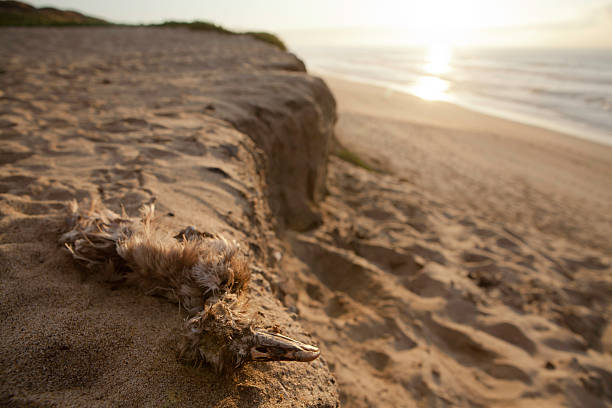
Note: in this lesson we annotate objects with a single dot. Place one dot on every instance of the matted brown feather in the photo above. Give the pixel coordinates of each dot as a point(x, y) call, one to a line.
point(204, 273)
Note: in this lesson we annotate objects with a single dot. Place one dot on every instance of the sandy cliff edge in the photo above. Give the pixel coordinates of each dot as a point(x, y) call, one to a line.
point(211, 126)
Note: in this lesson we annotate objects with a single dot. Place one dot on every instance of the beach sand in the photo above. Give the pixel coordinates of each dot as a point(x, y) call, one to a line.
point(474, 272)
point(520, 175)
point(125, 116)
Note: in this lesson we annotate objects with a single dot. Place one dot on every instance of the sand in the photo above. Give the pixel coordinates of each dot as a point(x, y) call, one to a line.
point(124, 116)
point(473, 271)
point(523, 176)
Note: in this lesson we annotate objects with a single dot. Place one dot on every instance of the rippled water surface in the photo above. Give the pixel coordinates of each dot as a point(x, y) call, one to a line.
point(566, 90)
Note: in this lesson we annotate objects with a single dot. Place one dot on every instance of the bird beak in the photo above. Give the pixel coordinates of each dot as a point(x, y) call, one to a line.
point(276, 347)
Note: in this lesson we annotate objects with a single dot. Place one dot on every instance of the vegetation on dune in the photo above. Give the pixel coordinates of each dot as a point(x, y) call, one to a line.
point(349, 156)
point(16, 13)
point(206, 26)
point(194, 25)
point(19, 14)
point(269, 38)
point(353, 158)
point(20, 21)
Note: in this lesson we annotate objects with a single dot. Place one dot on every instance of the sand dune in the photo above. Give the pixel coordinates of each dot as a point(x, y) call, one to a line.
point(474, 272)
point(125, 116)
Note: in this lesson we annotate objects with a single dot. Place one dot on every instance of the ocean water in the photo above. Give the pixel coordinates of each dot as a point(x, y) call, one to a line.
point(565, 90)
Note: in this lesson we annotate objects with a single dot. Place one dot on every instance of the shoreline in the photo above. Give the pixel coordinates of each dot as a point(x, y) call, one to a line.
point(522, 175)
point(566, 130)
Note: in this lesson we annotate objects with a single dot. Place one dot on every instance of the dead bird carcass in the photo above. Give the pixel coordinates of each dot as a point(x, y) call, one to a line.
point(206, 274)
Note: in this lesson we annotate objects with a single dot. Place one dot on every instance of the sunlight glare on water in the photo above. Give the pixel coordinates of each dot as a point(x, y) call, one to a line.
point(437, 62)
point(430, 88)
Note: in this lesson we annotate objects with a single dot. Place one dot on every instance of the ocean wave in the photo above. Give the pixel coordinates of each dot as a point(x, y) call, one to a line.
point(573, 89)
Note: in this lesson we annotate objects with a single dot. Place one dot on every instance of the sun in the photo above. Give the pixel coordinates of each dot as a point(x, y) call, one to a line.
point(438, 59)
point(452, 14)
point(450, 22)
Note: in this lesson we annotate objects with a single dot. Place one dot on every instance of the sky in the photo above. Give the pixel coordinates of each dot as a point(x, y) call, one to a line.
point(573, 23)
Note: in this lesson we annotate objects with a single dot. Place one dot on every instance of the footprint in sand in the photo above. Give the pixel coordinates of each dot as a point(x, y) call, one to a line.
point(506, 243)
point(11, 152)
point(124, 125)
point(474, 257)
point(512, 334)
point(377, 359)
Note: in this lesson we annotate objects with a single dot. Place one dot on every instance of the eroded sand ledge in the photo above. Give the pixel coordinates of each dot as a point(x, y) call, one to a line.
point(226, 132)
